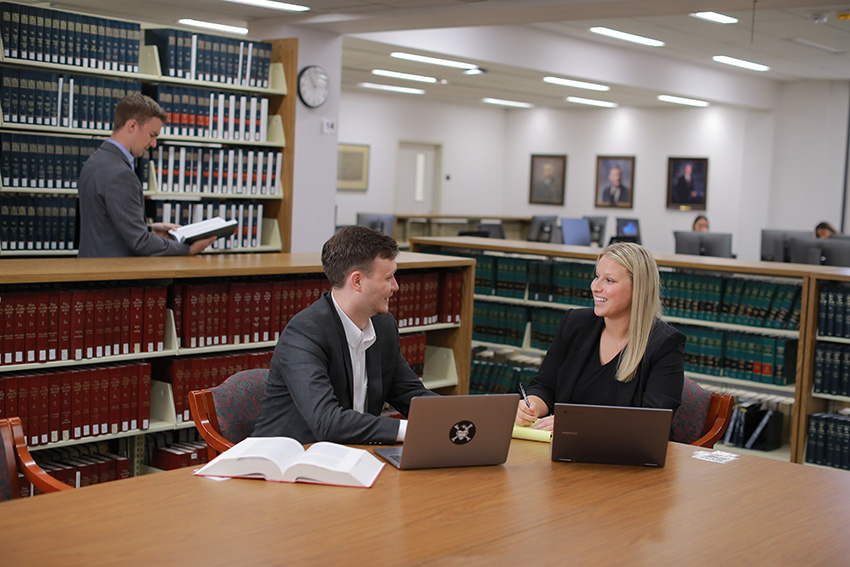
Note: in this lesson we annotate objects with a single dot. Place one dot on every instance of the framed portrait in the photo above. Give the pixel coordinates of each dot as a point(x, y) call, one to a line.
point(547, 180)
point(352, 167)
point(615, 181)
point(687, 183)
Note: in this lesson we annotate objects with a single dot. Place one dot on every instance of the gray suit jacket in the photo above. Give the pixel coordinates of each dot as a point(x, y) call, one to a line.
point(309, 392)
point(112, 210)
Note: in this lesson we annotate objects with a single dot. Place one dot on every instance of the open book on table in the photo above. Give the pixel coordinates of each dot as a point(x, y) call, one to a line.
point(283, 459)
point(215, 226)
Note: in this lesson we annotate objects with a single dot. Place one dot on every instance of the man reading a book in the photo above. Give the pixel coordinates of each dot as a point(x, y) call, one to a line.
point(112, 207)
point(339, 360)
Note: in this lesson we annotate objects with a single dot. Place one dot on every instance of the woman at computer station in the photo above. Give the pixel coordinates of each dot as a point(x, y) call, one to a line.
point(619, 353)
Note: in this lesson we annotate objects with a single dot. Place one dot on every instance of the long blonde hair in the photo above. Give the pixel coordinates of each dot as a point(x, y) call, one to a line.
point(646, 301)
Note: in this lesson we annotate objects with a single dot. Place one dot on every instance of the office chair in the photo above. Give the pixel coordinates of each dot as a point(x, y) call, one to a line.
point(703, 417)
point(226, 414)
point(14, 457)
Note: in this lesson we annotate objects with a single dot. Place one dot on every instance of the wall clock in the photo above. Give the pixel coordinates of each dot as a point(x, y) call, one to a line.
point(313, 86)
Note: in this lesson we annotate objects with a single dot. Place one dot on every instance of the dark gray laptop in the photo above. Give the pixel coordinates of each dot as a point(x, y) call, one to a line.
point(455, 431)
point(611, 435)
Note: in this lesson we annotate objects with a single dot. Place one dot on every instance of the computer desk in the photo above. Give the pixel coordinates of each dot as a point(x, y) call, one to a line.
point(530, 511)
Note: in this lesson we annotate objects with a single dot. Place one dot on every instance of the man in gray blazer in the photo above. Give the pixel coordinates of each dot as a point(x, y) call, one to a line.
point(339, 360)
point(112, 209)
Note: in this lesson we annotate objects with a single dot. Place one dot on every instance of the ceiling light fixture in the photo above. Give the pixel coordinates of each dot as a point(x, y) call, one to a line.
point(591, 102)
point(391, 88)
point(403, 76)
point(808, 43)
point(715, 17)
point(740, 63)
point(511, 103)
point(616, 34)
point(432, 60)
point(475, 71)
point(576, 84)
point(213, 26)
point(680, 100)
point(272, 5)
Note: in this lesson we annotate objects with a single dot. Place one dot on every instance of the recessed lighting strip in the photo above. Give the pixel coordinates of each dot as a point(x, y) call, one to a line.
point(576, 84)
point(680, 100)
point(213, 26)
point(740, 63)
point(714, 17)
point(616, 34)
point(591, 102)
point(511, 103)
point(432, 60)
point(391, 88)
point(403, 76)
point(272, 5)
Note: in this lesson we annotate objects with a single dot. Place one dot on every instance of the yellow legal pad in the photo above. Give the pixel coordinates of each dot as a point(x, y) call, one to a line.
point(532, 434)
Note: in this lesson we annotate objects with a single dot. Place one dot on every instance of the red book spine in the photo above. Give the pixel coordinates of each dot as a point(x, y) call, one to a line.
point(89, 324)
point(23, 388)
point(149, 324)
point(287, 299)
point(114, 399)
point(126, 391)
point(203, 292)
point(52, 329)
point(223, 314)
point(85, 402)
point(297, 298)
point(8, 302)
point(125, 300)
point(275, 308)
point(247, 311)
point(401, 312)
point(94, 400)
point(132, 373)
point(234, 313)
point(63, 331)
point(266, 312)
point(3, 386)
point(109, 321)
point(33, 428)
point(175, 303)
point(42, 326)
point(214, 314)
point(11, 387)
point(20, 328)
point(161, 294)
point(44, 408)
point(256, 313)
point(137, 319)
point(102, 376)
point(31, 331)
point(78, 321)
point(77, 404)
point(99, 319)
point(190, 317)
point(458, 296)
point(144, 395)
point(66, 408)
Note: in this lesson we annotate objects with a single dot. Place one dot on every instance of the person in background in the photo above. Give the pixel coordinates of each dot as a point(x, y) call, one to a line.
point(701, 224)
point(824, 230)
point(339, 360)
point(112, 208)
point(618, 353)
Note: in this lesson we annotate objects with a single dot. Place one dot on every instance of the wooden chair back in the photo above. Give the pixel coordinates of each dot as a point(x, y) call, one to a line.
point(14, 457)
point(703, 416)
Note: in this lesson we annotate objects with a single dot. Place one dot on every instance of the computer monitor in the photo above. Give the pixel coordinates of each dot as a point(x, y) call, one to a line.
point(575, 231)
point(378, 221)
point(629, 228)
point(597, 229)
point(775, 244)
point(835, 252)
point(718, 244)
point(805, 250)
point(493, 229)
point(542, 228)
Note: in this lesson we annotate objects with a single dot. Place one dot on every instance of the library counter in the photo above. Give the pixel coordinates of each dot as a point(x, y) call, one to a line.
point(692, 512)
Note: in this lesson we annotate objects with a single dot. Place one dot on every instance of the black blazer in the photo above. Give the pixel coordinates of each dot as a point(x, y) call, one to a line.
point(309, 392)
point(660, 376)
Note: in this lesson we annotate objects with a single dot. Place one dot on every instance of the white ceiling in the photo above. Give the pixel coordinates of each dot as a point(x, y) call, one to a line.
point(765, 35)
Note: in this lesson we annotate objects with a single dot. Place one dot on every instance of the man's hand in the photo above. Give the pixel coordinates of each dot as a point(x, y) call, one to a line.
point(200, 245)
point(162, 228)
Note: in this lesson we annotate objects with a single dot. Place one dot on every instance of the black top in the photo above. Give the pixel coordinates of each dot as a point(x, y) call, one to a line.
point(597, 385)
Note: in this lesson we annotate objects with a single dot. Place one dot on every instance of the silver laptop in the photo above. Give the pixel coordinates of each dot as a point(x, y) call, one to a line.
point(611, 434)
point(455, 431)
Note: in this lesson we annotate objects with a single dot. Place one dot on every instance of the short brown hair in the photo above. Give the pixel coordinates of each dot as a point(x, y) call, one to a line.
point(354, 248)
point(136, 106)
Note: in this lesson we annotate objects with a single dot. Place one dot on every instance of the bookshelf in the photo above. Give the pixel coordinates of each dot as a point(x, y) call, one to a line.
point(447, 344)
point(799, 372)
point(46, 61)
point(409, 226)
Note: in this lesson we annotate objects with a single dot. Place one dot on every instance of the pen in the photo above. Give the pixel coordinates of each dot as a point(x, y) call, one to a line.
point(524, 397)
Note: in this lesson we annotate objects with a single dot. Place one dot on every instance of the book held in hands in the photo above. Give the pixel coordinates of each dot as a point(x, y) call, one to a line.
point(215, 226)
point(283, 459)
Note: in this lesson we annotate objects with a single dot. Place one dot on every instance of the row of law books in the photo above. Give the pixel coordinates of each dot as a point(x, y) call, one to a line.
point(832, 369)
point(78, 402)
point(37, 223)
point(427, 297)
point(828, 440)
point(413, 350)
point(186, 374)
point(204, 57)
point(36, 33)
point(211, 114)
point(499, 323)
point(834, 310)
point(80, 322)
point(36, 161)
point(217, 171)
point(490, 377)
point(756, 358)
point(729, 299)
point(44, 98)
point(79, 465)
point(172, 455)
point(248, 214)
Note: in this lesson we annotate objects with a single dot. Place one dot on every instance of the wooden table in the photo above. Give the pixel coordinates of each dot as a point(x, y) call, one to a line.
point(530, 511)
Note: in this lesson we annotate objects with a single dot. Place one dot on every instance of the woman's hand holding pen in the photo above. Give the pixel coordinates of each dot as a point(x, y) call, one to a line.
point(526, 413)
